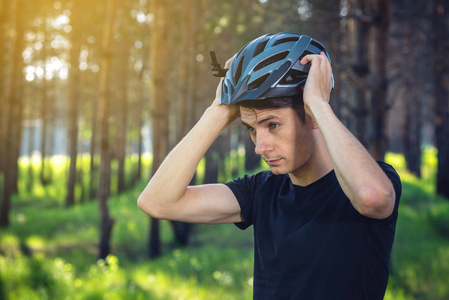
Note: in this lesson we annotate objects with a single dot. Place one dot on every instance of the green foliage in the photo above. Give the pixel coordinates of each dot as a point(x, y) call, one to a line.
point(50, 252)
point(420, 258)
point(439, 218)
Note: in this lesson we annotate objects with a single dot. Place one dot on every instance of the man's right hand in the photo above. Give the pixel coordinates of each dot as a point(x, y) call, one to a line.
point(231, 111)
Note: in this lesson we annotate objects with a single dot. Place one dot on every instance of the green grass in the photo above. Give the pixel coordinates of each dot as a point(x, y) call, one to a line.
point(50, 252)
point(420, 258)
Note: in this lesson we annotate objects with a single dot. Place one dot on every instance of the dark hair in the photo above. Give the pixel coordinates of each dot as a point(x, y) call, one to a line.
point(296, 103)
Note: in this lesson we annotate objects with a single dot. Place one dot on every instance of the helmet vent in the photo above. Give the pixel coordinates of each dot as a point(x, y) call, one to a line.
point(270, 60)
point(258, 82)
point(306, 52)
point(238, 72)
point(293, 76)
point(318, 45)
point(285, 40)
point(260, 48)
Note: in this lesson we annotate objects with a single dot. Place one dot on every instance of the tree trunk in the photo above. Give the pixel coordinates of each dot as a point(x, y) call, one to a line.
point(4, 9)
point(335, 42)
point(154, 244)
point(252, 160)
point(30, 178)
point(74, 103)
point(45, 106)
point(141, 97)
point(412, 143)
point(211, 172)
point(14, 115)
point(140, 123)
point(379, 106)
point(441, 72)
point(360, 39)
point(45, 113)
point(414, 75)
point(93, 189)
point(106, 222)
point(182, 230)
point(159, 60)
point(122, 117)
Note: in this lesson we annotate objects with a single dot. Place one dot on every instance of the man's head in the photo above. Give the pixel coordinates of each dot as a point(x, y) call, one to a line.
point(266, 80)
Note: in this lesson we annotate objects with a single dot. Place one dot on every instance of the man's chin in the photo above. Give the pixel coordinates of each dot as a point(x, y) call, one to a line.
point(278, 171)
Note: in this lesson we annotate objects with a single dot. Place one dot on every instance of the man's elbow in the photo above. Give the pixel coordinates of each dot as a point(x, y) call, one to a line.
point(377, 203)
point(145, 204)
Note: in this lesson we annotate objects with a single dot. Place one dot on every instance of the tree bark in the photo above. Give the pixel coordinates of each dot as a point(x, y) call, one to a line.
point(379, 107)
point(440, 16)
point(93, 188)
point(74, 103)
point(46, 106)
point(159, 60)
point(14, 115)
point(412, 143)
point(4, 9)
point(360, 67)
point(122, 114)
point(252, 160)
point(106, 222)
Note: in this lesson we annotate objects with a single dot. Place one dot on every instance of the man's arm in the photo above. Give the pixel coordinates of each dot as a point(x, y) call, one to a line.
point(362, 180)
point(168, 196)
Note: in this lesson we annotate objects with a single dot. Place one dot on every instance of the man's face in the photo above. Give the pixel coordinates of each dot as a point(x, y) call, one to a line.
point(283, 141)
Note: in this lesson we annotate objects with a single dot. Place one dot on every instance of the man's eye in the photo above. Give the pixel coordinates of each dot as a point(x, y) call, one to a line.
point(274, 126)
point(251, 129)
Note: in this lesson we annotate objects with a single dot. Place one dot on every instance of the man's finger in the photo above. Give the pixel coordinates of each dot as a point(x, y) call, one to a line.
point(228, 62)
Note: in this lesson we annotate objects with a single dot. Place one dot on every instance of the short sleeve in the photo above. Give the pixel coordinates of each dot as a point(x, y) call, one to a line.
point(243, 189)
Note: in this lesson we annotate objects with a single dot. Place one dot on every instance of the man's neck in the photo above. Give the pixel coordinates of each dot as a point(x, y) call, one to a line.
point(317, 166)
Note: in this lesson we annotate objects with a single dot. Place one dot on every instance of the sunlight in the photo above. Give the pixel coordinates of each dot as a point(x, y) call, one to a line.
point(60, 21)
point(37, 42)
point(36, 243)
point(141, 17)
point(56, 67)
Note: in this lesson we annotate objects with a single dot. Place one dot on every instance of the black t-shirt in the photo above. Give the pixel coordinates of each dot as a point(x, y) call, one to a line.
point(310, 242)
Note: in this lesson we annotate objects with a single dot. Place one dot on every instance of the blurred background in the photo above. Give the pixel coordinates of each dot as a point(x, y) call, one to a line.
point(93, 95)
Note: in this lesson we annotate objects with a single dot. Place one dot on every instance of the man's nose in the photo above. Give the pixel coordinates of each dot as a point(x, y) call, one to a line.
point(263, 144)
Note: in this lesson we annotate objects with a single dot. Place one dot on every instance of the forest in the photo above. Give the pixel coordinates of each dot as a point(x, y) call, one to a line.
point(94, 94)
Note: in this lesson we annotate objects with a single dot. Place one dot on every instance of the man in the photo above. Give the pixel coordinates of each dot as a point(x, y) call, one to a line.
point(324, 216)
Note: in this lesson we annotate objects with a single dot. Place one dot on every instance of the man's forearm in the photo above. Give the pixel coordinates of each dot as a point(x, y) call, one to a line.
point(360, 177)
point(170, 181)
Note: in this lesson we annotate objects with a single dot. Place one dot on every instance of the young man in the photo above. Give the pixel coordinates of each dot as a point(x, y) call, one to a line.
point(325, 215)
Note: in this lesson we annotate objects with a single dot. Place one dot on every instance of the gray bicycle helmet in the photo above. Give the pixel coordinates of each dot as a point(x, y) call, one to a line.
point(269, 67)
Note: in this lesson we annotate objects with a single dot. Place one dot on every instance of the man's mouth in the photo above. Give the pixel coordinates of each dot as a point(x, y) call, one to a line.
point(273, 162)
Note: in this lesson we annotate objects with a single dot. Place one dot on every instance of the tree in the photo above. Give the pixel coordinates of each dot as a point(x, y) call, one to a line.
point(377, 143)
point(368, 28)
point(4, 9)
point(440, 17)
point(74, 102)
point(122, 116)
point(14, 105)
point(409, 81)
point(159, 61)
point(106, 222)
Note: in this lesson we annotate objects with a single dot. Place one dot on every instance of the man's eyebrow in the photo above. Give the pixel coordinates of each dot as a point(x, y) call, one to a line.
point(261, 121)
